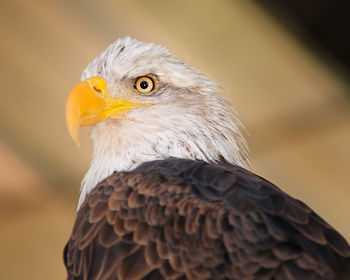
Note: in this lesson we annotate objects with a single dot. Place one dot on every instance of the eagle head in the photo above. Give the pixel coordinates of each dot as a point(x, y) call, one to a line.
point(144, 104)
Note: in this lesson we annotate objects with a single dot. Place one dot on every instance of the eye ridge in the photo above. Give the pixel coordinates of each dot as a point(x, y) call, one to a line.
point(145, 85)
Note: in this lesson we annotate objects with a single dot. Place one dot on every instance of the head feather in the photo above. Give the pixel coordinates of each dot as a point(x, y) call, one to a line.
point(190, 119)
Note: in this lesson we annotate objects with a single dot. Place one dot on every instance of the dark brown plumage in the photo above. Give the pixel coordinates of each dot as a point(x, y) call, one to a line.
point(185, 219)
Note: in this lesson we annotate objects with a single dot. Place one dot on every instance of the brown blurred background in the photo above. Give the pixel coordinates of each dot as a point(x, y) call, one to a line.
point(290, 91)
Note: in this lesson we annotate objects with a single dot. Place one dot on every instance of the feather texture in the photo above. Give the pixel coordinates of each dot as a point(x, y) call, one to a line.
point(185, 219)
point(189, 119)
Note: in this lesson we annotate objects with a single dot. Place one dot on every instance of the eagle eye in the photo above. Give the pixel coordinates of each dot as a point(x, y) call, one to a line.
point(145, 85)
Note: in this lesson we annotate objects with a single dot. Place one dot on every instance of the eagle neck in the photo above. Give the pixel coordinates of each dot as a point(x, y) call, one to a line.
point(124, 148)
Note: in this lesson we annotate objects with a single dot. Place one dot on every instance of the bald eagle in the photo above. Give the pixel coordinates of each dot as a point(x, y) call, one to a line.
point(169, 194)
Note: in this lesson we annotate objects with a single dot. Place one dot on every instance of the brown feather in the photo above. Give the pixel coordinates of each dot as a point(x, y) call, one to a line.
point(134, 266)
point(162, 222)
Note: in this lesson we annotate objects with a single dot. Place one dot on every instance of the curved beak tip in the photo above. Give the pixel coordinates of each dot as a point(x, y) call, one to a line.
point(73, 130)
point(77, 143)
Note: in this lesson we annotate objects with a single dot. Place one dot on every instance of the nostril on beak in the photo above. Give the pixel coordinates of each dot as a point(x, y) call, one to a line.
point(97, 89)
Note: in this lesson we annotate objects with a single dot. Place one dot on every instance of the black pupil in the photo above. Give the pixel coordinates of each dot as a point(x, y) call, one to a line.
point(144, 84)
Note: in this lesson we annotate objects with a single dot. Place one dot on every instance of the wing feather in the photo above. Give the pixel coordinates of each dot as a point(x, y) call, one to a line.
point(183, 219)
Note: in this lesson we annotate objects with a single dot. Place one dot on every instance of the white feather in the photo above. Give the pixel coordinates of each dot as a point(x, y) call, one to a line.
point(189, 119)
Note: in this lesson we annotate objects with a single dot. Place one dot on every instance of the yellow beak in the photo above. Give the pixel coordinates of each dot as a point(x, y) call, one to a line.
point(88, 104)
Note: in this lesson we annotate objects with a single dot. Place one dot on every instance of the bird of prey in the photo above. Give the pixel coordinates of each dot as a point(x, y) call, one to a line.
point(169, 194)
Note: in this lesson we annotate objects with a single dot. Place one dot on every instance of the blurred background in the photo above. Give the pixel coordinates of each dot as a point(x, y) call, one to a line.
point(284, 65)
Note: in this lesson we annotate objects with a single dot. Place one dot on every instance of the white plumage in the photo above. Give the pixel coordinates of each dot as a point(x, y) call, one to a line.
point(178, 125)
